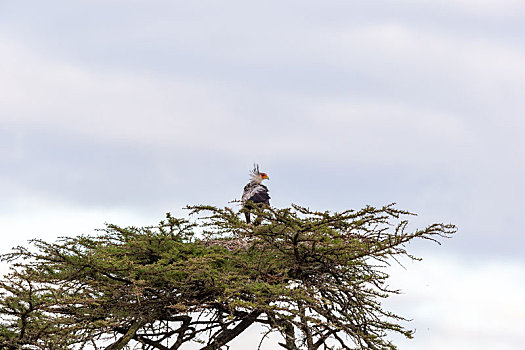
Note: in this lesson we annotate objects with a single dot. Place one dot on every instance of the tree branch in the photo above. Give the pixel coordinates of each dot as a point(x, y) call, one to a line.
point(227, 335)
point(130, 334)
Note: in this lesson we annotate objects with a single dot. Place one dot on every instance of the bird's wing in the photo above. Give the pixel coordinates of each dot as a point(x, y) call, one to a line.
point(256, 193)
point(246, 194)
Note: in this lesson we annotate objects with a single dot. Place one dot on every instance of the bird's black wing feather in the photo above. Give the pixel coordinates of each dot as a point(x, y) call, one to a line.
point(261, 195)
point(256, 193)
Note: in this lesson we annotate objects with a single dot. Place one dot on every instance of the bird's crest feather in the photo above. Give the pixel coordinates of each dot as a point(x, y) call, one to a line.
point(255, 170)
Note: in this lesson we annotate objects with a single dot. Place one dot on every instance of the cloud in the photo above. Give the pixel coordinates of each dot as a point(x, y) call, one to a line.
point(394, 133)
point(405, 53)
point(459, 304)
point(420, 104)
point(30, 216)
point(196, 112)
point(489, 8)
point(42, 93)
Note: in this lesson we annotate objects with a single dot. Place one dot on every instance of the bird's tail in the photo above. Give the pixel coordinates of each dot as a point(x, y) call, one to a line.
point(247, 216)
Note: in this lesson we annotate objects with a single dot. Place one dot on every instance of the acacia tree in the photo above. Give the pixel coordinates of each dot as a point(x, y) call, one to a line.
point(317, 278)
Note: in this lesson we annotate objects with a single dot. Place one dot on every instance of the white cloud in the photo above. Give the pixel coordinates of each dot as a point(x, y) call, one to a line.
point(489, 8)
point(457, 304)
point(32, 216)
point(392, 132)
point(429, 55)
point(59, 95)
point(444, 79)
point(205, 114)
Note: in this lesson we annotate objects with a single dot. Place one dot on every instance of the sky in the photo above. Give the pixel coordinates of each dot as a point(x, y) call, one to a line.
point(120, 111)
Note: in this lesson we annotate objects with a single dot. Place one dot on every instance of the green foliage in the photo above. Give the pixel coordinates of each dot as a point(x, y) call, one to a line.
point(315, 277)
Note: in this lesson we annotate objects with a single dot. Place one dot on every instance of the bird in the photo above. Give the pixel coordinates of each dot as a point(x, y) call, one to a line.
point(255, 194)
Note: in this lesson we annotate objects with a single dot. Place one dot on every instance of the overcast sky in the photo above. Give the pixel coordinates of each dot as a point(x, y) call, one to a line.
point(120, 111)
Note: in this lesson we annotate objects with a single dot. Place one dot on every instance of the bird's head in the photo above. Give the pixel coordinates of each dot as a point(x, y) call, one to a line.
point(257, 176)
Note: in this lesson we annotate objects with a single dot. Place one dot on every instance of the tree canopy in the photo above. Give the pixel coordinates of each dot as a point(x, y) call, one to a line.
point(316, 278)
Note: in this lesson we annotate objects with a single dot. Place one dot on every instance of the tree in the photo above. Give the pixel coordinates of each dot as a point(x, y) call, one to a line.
point(317, 278)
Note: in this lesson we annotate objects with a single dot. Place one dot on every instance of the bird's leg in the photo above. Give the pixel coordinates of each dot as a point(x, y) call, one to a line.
point(257, 221)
